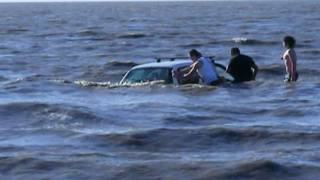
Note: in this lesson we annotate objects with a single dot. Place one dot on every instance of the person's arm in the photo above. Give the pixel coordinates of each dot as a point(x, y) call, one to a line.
point(193, 68)
point(230, 67)
point(255, 70)
point(180, 72)
point(293, 74)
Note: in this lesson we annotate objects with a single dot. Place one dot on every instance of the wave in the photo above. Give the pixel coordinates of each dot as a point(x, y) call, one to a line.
point(243, 41)
point(128, 64)
point(29, 167)
point(246, 41)
point(192, 45)
point(202, 139)
point(37, 114)
point(57, 21)
point(82, 35)
point(43, 166)
point(304, 45)
point(272, 69)
point(111, 85)
point(16, 164)
point(279, 69)
point(2, 47)
point(2, 78)
point(50, 34)
point(192, 119)
point(89, 32)
point(96, 84)
point(262, 166)
point(103, 38)
point(292, 112)
point(16, 31)
point(258, 169)
point(29, 78)
point(170, 34)
point(132, 36)
point(311, 51)
point(261, 169)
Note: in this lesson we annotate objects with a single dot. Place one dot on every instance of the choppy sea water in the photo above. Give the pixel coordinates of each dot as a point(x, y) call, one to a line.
point(63, 116)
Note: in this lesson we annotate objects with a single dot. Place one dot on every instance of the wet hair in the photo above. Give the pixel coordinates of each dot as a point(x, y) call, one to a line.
point(289, 41)
point(235, 51)
point(195, 53)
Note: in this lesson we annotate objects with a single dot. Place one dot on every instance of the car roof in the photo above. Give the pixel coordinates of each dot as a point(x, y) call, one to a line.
point(164, 64)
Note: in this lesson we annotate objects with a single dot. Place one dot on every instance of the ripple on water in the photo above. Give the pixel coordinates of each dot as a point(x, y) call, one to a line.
point(202, 139)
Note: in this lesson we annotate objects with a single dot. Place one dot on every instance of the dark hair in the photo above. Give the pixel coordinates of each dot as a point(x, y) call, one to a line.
point(195, 53)
point(289, 41)
point(235, 51)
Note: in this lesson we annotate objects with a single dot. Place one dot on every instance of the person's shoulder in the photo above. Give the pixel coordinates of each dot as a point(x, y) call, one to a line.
point(203, 58)
point(248, 58)
point(290, 51)
point(245, 56)
point(199, 61)
point(287, 51)
point(233, 59)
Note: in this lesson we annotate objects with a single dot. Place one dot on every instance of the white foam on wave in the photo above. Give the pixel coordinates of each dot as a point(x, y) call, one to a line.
point(239, 39)
point(115, 85)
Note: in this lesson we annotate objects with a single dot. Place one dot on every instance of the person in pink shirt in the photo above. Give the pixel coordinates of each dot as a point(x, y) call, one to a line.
point(290, 59)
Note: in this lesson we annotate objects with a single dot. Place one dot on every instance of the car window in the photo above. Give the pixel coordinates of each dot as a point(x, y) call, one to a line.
point(183, 68)
point(149, 74)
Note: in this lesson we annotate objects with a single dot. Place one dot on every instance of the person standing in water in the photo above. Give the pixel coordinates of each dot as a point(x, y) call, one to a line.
point(241, 67)
point(290, 59)
point(205, 69)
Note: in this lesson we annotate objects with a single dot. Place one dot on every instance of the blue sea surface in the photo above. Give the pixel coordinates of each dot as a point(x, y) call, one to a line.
point(63, 115)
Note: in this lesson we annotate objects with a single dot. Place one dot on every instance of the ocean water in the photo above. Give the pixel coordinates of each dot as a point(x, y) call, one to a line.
point(63, 116)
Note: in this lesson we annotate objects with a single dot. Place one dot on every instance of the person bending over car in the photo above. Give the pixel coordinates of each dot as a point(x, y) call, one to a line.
point(203, 66)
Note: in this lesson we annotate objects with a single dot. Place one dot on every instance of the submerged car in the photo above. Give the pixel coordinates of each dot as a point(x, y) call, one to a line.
point(162, 71)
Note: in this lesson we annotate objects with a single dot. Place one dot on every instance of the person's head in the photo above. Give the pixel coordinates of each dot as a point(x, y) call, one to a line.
point(235, 51)
point(289, 42)
point(194, 55)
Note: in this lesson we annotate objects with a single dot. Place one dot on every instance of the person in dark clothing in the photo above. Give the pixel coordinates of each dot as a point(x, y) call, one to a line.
point(241, 67)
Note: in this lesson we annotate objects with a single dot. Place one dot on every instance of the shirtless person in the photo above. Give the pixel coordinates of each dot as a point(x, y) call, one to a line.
point(290, 59)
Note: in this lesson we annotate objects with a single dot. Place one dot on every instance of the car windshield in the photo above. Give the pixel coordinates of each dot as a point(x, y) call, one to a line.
point(149, 74)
